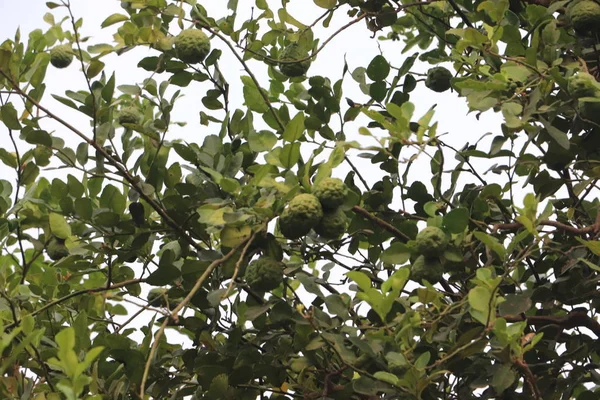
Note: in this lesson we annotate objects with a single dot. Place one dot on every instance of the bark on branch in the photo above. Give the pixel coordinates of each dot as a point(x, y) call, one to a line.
point(574, 319)
point(383, 224)
point(559, 225)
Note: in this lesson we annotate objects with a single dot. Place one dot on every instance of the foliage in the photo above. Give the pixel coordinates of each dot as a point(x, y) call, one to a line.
point(129, 255)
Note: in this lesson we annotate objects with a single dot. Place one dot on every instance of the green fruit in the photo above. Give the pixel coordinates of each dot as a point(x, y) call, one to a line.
point(56, 249)
point(426, 268)
point(291, 53)
point(431, 241)
point(192, 46)
point(301, 215)
point(61, 56)
point(331, 192)
point(264, 274)
point(332, 225)
point(129, 115)
point(590, 110)
point(583, 85)
point(438, 79)
point(584, 16)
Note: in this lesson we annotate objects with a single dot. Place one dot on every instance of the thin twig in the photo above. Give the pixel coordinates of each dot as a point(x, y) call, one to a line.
point(572, 320)
point(384, 224)
point(78, 293)
point(174, 314)
point(568, 228)
point(238, 264)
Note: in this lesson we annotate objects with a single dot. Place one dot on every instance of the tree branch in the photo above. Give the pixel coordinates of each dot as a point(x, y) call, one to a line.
point(559, 225)
point(574, 319)
point(384, 224)
point(174, 314)
point(78, 293)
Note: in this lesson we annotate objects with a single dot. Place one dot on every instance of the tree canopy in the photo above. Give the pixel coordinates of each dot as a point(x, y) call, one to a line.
point(290, 240)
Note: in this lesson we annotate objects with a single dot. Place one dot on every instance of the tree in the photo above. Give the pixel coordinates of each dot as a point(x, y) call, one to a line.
point(313, 245)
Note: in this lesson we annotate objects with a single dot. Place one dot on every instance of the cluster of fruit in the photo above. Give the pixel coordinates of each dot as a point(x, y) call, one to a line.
point(586, 90)
point(430, 243)
point(319, 210)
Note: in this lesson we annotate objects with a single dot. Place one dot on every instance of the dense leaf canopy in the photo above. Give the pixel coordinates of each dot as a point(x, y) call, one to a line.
point(144, 256)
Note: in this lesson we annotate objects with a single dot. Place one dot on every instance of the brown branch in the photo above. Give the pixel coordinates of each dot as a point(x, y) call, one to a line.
point(174, 316)
point(529, 378)
point(384, 224)
point(574, 319)
point(559, 225)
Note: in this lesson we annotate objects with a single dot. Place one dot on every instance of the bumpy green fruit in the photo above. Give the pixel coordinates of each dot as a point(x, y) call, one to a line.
point(301, 215)
point(429, 269)
point(56, 249)
point(438, 79)
point(431, 241)
point(291, 53)
point(584, 15)
point(332, 225)
point(61, 56)
point(264, 274)
point(583, 85)
point(331, 192)
point(192, 46)
point(129, 115)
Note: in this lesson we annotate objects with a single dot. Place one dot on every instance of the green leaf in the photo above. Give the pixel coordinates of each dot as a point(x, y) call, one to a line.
point(164, 275)
point(360, 278)
point(38, 137)
point(114, 19)
point(290, 154)
point(59, 226)
point(503, 378)
point(261, 141)
point(378, 69)
point(252, 97)
point(9, 117)
point(457, 220)
point(109, 89)
point(559, 136)
point(327, 4)
point(491, 242)
point(515, 304)
point(592, 245)
point(94, 68)
point(398, 253)
point(387, 377)
point(295, 128)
